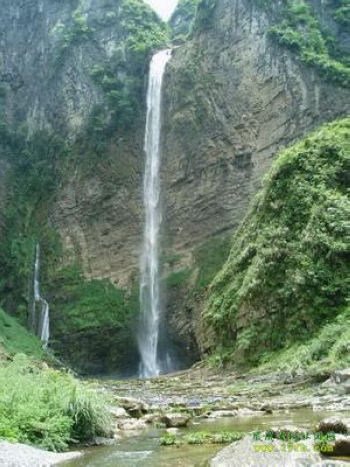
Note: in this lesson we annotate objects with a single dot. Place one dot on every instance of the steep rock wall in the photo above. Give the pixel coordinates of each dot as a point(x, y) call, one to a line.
point(233, 98)
point(78, 70)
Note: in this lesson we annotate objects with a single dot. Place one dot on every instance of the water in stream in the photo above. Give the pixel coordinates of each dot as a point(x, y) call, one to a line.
point(150, 300)
point(145, 450)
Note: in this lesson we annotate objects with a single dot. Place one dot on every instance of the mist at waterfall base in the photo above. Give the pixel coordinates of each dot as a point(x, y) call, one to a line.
point(157, 356)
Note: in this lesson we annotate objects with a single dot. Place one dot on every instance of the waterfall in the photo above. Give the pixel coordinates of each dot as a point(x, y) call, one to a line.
point(41, 328)
point(150, 281)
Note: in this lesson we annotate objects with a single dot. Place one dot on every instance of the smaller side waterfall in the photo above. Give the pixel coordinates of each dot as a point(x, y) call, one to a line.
point(40, 324)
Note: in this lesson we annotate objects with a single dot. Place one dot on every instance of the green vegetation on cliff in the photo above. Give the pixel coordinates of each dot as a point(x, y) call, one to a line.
point(14, 338)
point(182, 20)
point(94, 321)
point(121, 76)
point(82, 304)
point(31, 185)
point(287, 276)
point(300, 31)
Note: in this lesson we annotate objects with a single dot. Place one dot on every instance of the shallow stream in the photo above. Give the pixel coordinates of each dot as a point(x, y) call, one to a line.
point(145, 450)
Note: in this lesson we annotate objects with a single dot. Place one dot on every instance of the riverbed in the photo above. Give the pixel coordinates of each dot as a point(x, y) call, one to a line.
point(145, 450)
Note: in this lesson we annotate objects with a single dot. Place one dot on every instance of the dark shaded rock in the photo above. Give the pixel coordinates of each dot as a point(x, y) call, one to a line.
point(342, 446)
point(333, 424)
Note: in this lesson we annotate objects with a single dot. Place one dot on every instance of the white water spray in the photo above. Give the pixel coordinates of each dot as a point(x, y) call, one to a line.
point(150, 282)
point(42, 328)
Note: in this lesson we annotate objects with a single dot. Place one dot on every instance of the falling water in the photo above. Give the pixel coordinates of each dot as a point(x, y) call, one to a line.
point(150, 283)
point(41, 328)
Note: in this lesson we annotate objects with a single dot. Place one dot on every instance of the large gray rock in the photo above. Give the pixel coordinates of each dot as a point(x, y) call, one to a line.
point(135, 407)
point(244, 453)
point(21, 455)
point(175, 420)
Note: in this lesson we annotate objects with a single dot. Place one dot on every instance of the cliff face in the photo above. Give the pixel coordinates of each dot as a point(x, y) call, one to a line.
point(233, 98)
point(73, 78)
point(75, 73)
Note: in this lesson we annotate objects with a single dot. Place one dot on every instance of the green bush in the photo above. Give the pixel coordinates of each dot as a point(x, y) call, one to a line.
point(47, 408)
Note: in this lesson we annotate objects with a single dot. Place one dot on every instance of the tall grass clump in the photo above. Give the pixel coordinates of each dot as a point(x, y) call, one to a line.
point(48, 408)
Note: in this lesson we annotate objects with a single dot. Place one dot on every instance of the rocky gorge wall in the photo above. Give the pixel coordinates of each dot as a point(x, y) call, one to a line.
point(233, 98)
point(75, 73)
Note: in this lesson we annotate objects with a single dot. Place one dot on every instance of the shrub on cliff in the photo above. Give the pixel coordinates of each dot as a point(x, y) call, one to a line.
point(48, 408)
point(288, 272)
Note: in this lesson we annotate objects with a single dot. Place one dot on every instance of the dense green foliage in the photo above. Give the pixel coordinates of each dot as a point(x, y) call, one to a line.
point(47, 408)
point(121, 77)
point(146, 32)
point(120, 74)
point(288, 270)
point(182, 20)
point(209, 259)
point(16, 339)
point(300, 31)
point(327, 350)
point(341, 11)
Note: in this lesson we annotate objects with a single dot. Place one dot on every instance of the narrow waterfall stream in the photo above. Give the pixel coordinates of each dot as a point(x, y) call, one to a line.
point(40, 324)
point(150, 283)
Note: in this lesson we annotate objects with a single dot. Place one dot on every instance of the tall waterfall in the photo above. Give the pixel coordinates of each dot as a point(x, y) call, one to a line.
point(150, 282)
point(40, 326)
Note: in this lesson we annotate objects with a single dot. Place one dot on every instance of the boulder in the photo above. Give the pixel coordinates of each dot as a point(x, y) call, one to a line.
point(249, 413)
point(175, 420)
point(118, 412)
point(342, 376)
point(135, 407)
point(333, 424)
point(132, 425)
point(221, 413)
point(150, 418)
point(341, 446)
